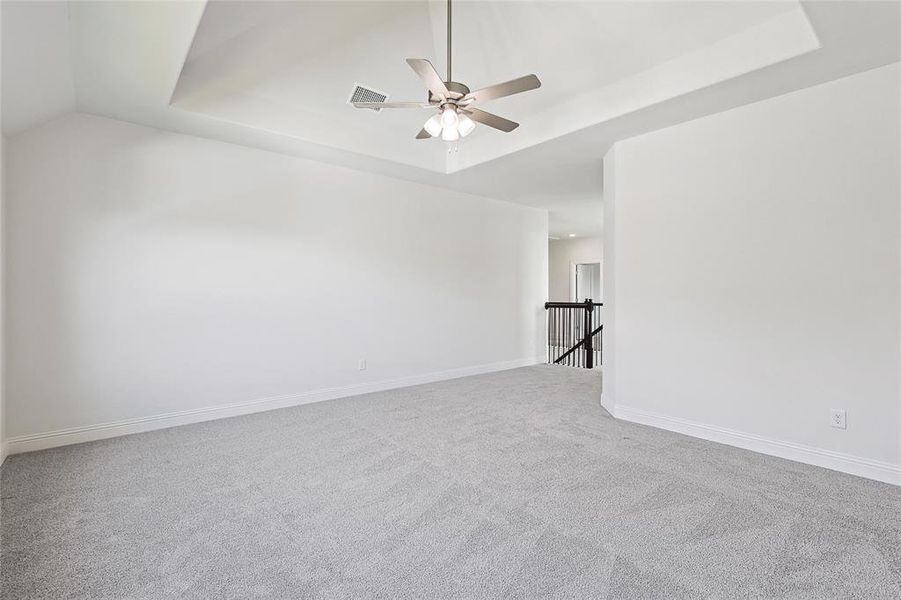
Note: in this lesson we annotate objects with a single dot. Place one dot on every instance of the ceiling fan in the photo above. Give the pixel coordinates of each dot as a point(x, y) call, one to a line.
point(454, 101)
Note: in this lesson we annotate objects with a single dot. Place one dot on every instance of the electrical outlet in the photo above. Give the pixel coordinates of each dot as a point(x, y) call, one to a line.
point(837, 418)
point(362, 365)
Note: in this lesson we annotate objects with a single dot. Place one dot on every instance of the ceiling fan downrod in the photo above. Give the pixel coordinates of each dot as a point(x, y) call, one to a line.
point(457, 88)
point(449, 78)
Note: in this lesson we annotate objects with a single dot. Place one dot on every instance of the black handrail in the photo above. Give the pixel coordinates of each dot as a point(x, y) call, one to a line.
point(548, 305)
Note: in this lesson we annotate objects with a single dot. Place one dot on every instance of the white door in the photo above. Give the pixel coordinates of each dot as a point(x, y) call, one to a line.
point(588, 282)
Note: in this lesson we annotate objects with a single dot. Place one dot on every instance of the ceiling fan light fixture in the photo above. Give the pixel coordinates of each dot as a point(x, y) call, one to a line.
point(433, 126)
point(449, 117)
point(454, 100)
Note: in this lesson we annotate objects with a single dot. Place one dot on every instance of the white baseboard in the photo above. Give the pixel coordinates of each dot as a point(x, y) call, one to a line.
point(100, 431)
point(4, 451)
point(607, 402)
point(837, 461)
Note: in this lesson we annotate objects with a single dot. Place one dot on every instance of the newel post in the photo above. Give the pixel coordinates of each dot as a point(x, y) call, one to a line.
point(589, 351)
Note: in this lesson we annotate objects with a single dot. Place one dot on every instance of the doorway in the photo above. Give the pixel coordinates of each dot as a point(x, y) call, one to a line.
point(587, 282)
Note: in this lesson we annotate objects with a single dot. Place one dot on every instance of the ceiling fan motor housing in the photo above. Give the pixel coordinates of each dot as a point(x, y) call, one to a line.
point(457, 90)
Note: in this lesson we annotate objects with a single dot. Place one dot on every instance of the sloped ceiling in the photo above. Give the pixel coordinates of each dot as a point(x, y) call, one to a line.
point(276, 75)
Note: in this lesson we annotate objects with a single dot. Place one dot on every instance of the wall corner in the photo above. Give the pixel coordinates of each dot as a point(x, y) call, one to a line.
point(608, 393)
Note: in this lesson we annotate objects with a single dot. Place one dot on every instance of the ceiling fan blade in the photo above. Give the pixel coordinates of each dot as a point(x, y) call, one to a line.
point(392, 104)
point(423, 135)
point(491, 120)
point(508, 88)
point(429, 76)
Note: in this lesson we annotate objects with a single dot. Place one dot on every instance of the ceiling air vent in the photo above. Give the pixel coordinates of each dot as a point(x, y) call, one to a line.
point(365, 94)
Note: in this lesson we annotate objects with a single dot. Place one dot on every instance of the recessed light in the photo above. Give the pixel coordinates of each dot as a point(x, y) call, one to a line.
point(572, 235)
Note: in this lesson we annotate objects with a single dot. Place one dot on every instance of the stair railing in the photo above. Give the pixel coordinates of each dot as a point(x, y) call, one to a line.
point(575, 334)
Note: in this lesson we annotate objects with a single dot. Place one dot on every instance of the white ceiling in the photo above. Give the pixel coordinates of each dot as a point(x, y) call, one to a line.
point(277, 76)
point(290, 67)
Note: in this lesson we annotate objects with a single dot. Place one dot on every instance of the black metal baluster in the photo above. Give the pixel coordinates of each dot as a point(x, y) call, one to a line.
point(575, 354)
point(556, 331)
point(573, 359)
point(563, 331)
point(556, 334)
point(562, 358)
point(578, 319)
point(558, 314)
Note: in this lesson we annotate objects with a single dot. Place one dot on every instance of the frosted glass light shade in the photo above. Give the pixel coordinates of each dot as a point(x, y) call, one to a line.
point(466, 125)
point(433, 126)
point(449, 118)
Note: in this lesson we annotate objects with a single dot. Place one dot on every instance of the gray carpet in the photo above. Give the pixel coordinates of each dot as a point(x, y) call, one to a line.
point(509, 485)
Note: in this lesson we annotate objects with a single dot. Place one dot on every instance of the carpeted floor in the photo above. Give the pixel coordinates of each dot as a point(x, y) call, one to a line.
point(509, 485)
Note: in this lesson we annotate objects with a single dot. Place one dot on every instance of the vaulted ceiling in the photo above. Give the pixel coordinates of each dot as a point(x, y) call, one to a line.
point(290, 67)
point(277, 75)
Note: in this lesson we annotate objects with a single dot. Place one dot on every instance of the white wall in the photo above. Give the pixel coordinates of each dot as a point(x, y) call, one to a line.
point(36, 59)
point(753, 275)
point(151, 273)
point(608, 273)
point(562, 254)
point(2, 279)
point(2, 304)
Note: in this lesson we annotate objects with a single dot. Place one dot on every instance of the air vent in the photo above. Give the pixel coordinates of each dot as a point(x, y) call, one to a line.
point(365, 94)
